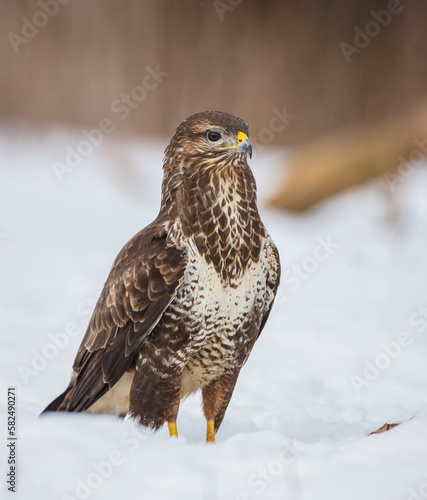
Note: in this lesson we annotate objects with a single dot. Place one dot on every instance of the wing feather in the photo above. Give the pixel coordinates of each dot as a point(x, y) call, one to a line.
point(141, 285)
point(273, 280)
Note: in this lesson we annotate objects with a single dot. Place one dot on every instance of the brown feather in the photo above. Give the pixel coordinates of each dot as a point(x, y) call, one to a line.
point(115, 349)
point(168, 316)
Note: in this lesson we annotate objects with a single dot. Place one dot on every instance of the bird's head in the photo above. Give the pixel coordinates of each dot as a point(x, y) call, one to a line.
point(208, 150)
point(211, 137)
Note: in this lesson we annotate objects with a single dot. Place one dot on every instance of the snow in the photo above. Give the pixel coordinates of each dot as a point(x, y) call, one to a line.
point(344, 350)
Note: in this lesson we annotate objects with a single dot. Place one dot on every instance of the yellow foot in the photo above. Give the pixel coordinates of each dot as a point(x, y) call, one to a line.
point(173, 431)
point(210, 433)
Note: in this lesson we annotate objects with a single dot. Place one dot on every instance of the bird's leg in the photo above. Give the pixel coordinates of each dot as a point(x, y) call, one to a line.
point(171, 416)
point(216, 397)
point(172, 411)
point(210, 431)
point(173, 431)
point(154, 397)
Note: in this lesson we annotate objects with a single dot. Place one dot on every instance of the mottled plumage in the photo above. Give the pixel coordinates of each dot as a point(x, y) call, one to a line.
point(188, 296)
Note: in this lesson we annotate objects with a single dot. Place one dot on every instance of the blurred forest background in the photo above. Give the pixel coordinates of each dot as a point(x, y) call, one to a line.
point(335, 93)
point(243, 56)
point(330, 65)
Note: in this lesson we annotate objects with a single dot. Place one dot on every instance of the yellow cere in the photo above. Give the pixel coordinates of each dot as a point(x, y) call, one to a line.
point(241, 136)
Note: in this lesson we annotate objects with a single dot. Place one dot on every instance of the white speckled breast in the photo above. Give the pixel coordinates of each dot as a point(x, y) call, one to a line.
point(216, 317)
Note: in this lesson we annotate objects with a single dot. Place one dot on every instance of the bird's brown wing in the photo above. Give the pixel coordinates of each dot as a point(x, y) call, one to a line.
point(273, 281)
point(141, 285)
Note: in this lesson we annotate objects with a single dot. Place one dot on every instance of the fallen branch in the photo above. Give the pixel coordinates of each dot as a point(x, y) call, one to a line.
point(350, 158)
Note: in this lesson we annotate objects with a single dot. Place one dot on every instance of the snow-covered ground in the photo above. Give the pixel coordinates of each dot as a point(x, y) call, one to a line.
point(344, 351)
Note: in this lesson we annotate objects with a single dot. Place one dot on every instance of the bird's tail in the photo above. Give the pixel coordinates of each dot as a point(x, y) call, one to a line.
point(59, 403)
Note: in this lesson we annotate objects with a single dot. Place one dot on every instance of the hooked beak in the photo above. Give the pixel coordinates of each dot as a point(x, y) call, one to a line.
point(244, 145)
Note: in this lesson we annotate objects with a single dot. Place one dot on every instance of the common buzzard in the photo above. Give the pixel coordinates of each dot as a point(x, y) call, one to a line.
point(188, 296)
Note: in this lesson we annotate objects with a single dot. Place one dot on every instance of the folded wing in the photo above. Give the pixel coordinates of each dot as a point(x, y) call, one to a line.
point(141, 285)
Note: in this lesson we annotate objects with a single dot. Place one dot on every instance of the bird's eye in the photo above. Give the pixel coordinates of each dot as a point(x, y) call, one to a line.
point(214, 136)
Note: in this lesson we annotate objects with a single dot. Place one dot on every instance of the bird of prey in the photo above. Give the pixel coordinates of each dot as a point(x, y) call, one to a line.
point(186, 297)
